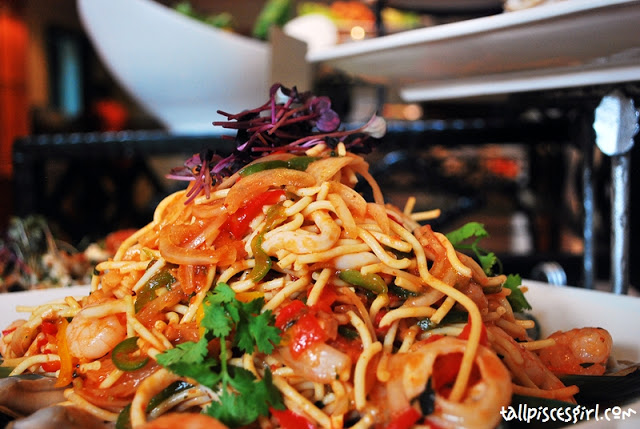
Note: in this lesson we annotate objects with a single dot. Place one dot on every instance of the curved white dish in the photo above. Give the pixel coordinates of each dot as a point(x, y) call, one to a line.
point(554, 307)
point(179, 69)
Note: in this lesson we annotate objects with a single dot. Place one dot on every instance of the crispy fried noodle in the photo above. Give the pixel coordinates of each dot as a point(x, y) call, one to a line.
point(277, 296)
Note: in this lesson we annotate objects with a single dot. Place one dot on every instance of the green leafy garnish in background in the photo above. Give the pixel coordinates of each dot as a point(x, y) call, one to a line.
point(222, 20)
point(274, 12)
point(242, 397)
point(468, 238)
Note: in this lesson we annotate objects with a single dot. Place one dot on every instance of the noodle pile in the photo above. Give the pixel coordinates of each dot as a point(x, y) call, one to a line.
point(364, 277)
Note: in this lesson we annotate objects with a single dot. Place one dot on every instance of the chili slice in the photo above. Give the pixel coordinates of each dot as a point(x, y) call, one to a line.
point(123, 358)
point(296, 163)
point(371, 282)
point(148, 292)
point(263, 262)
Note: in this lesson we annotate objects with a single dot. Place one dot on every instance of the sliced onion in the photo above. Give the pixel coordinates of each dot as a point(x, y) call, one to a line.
point(356, 202)
point(320, 363)
point(325, 169)
point(251, 186)
point(176, 254)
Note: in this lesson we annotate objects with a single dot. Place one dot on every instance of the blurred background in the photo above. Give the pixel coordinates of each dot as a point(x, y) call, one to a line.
point(85, 156)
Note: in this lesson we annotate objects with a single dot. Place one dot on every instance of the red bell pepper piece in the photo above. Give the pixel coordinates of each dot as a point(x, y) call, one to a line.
point(238, 224)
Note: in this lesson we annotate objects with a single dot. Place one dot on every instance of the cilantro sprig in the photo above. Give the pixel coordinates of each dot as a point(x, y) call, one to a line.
point(242, 397)
point(468, 238)
point(461, 240)
point(516, 298)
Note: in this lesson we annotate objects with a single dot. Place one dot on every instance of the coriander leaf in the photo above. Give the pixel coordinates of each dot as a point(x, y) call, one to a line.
point(488, 261)
point(264, 333)
point(241, 379)
point(216, 319)
point(476, 231)
point(190, 360)
point(229, 410)
point(256, 329)
point(253, 399)
point(222, 294)
point(187, 353)
point(516, 298)
point(467, 231)
point(252, 307)
point(243, 397)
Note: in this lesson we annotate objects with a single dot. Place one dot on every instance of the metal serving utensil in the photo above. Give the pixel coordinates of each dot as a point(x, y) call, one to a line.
point(615, 125)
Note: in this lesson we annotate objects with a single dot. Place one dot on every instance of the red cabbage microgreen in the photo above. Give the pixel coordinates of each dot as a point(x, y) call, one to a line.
point(289, 121)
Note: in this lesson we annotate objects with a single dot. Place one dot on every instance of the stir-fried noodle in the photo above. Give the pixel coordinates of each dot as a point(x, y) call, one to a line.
point(366, 299)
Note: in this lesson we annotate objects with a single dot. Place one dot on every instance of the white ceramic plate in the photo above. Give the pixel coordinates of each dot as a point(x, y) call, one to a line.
point(565, 44)
point(554, 307)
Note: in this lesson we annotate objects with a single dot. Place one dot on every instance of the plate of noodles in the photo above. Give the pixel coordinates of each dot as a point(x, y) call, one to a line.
point(271, 293)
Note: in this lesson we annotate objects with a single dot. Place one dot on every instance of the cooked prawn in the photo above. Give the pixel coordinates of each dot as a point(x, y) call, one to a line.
point(481, 405)
point(578, 351)
point(17, 342)
point(528, 370)
point(301, 241)
point(90, 338)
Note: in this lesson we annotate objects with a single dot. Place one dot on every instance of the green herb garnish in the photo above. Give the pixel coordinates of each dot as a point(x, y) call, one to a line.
point(242, 397)
point(488, 260)
point(473, 230)
point(516, 298)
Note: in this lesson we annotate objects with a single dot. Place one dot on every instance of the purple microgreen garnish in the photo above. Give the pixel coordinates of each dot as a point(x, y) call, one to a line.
point(290, 121)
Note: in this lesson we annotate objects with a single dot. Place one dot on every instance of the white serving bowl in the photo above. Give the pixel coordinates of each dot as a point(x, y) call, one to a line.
point(180, 70)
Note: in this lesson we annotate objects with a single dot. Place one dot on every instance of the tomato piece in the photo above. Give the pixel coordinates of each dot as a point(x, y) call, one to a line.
point(287, 419)
point(306, 332)
point(288, 313)
point(464, 335)
point(238, 224)
point(326, 299)
point(52, 366)
point(405, 420)
point(48, 327)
